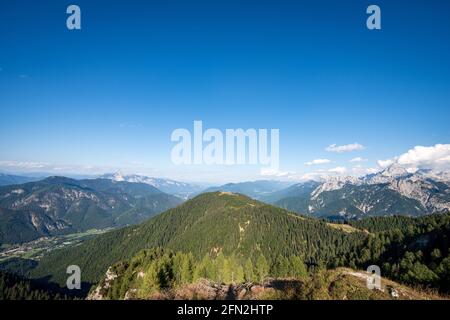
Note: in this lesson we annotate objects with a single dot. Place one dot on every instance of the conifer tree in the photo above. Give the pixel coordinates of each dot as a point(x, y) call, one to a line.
point(227, 274)
point(298, 268)
point(187, 265)
point(239, 275)
point(218, 263)
point(249, 273)
point(262, 268)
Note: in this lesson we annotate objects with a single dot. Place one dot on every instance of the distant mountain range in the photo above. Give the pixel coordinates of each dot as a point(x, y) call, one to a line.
point(181, 189)
point(8, 179)
point(259, 189)
point(393, 191)
point(61, 205)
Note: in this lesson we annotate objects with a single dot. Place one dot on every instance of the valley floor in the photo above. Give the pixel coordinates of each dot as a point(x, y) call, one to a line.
point(36, 249)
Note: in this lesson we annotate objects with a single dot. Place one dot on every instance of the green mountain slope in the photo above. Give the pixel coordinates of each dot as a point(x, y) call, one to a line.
point(59, 204)
point(414, 251)
point(13, 287)
point(9, 179)
point(211, 223)
point(18, 226)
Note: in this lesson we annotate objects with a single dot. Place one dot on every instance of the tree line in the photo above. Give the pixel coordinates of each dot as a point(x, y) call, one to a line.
point(158, 269)
point(13, 287)
point(414, 251)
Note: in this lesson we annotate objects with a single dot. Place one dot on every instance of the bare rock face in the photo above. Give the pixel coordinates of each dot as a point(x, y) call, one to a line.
point(98, 293)
point(430, 189)
point(256, 290)
point(241, 295)
point(394, 293)
point(130, 294)
point(202, 290)
point(208, 290)
point(334, 183)
point(433, 196)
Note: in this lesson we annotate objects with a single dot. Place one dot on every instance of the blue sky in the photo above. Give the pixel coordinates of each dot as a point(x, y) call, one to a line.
point(108, 96)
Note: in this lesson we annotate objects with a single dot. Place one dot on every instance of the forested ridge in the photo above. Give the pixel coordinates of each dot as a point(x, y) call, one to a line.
point(209, 224)
point(13, 287)
point(414, 251)
point(216, 232)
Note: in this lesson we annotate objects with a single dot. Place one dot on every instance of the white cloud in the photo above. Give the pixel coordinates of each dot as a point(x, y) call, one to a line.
point(420, 156)
point(372, 170)
point(444, 160)
point(275, 173)
point(22, 164)
point(362, 171)
point(338, 170)
point(433, 157)
point(358, 159)
point(309, 176)
point(345, 147)
point(42, 167)
point(317, 161)
point(385, 163)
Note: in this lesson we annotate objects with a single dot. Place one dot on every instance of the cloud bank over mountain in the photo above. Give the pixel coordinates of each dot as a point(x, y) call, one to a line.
point(435, 157)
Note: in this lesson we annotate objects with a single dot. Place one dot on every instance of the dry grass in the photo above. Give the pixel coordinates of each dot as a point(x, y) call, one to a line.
point(345, 227)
